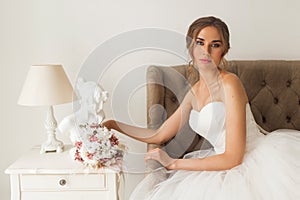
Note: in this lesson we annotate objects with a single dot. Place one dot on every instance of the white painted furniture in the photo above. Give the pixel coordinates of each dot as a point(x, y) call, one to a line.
point(54, 176)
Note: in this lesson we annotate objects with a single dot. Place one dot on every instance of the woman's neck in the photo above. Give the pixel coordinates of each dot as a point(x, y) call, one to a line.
point(211, 85)
point(210, 77)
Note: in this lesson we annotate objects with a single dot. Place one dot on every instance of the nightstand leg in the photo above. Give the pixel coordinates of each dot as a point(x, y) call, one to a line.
point(15, 187)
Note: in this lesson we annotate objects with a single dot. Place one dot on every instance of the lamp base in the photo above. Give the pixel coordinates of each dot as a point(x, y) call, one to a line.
point(52, 144)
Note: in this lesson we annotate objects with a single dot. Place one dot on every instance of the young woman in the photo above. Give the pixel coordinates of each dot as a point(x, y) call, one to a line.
point(243, 163)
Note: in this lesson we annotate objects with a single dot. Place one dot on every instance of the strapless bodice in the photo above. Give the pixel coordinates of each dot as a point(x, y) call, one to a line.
point(209, 122)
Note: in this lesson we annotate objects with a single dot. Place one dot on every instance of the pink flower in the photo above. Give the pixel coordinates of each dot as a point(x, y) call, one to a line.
point(94, 125)
point(93, 138)
point(114, 140)
point(90, 156)
point(77, 156)
point(78, 145)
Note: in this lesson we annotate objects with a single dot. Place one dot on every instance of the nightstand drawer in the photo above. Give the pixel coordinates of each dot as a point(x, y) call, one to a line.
point(63, 182)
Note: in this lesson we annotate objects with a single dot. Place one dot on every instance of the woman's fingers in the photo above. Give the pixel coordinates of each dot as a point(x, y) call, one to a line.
point(150, 155)
point(159, 155)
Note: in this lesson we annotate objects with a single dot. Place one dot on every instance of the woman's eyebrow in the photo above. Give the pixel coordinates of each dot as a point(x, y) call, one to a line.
point(198, 38)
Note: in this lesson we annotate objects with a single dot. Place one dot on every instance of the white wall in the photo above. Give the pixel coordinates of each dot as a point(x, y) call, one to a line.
point(67, 31)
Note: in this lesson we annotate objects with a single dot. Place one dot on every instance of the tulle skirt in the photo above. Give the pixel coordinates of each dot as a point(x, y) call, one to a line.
point(270, 171)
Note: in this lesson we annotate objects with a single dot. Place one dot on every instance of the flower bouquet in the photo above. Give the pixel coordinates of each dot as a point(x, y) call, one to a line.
point(97, 147)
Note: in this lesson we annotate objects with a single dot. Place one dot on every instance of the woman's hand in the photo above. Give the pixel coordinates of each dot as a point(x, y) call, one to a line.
point(161, 156)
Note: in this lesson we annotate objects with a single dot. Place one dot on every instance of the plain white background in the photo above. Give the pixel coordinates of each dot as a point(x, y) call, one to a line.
point(67, 31)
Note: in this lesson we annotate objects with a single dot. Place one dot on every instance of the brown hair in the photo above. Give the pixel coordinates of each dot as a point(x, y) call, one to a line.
point(201, 23)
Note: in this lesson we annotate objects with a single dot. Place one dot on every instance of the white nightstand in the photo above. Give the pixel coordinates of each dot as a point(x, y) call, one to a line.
point(55, 176)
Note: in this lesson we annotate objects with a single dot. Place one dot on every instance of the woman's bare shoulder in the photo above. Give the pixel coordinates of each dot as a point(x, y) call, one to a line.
point(230, 79)
point(233, 84)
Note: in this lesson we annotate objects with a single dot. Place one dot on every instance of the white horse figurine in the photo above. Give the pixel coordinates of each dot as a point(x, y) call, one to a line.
point(100, 97)
point(91, 99)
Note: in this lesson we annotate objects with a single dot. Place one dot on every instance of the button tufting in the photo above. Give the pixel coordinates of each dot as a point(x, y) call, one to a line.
point(263, 119)
point(275, 100)
point(288, 83)
point(263, 83)
point(173, 99)
point(288, 119)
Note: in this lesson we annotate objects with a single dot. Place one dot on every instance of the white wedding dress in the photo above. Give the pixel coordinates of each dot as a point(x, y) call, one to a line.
point(270, 169)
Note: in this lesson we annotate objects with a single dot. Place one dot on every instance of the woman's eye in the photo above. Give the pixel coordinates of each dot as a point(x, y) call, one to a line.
point(199, 43)
point(216, 45)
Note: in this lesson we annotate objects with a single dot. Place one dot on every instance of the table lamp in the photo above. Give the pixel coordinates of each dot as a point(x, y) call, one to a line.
point(47, 85)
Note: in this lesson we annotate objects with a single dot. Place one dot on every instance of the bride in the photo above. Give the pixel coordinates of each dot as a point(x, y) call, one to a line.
point(243, 163)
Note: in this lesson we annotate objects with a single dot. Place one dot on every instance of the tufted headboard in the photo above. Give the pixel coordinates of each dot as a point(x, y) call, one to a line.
point(272, 86)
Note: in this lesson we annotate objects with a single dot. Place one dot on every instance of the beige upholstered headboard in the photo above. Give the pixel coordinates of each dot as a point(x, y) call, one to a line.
point(272, 86)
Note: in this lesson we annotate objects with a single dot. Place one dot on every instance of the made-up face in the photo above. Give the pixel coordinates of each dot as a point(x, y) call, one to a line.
point(208, 47)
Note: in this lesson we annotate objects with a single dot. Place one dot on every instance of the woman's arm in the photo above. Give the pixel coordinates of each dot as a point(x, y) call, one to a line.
point(235, 102)
point(167, 130)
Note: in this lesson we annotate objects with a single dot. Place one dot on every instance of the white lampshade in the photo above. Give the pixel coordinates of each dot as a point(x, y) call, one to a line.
point(46, 85)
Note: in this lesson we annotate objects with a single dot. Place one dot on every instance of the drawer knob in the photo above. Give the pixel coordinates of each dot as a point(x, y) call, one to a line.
point(62, 182)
